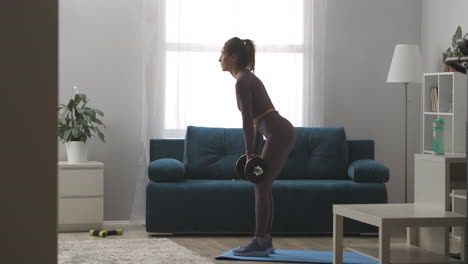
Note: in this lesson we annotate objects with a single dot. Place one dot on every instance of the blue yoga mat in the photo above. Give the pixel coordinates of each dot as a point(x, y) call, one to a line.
point(302, 256)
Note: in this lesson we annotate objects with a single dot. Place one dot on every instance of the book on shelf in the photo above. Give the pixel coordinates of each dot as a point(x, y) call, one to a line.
point(434, 99)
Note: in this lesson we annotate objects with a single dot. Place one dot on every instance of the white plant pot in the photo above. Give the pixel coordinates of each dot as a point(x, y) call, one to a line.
point(77, 152)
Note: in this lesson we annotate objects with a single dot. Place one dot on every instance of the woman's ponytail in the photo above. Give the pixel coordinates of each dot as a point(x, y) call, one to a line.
point(245, 51)
point(249, 44)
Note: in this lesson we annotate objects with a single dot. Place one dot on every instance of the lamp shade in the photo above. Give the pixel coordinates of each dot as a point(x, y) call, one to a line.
point(406, 65)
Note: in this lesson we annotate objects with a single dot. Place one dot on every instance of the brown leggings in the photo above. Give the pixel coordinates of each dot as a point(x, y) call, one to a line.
point(280, 140)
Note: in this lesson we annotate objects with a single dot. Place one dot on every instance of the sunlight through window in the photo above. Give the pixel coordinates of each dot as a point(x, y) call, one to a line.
point(197, 92)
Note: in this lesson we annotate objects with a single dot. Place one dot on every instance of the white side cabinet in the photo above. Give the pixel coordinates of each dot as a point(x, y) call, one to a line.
point(80, 196)
point(435, 178)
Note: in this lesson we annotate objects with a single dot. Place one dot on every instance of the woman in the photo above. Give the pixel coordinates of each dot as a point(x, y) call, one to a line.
point(259, 117)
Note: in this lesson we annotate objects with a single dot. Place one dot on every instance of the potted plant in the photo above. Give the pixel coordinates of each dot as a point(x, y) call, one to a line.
point(453, 51)
point(76, 124)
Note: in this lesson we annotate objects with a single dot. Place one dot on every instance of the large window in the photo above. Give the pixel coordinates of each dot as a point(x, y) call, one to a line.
point(197, 92)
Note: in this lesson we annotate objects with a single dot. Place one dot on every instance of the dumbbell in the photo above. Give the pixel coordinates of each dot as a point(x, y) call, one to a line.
point(240, 167)
point(253, 171)
point(105, 233)
point(98, 233)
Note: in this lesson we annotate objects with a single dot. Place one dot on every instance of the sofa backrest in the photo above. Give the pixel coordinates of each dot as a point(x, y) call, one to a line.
point(174, 149)
point(166, 148)
point(319, 153)
point(211, 153)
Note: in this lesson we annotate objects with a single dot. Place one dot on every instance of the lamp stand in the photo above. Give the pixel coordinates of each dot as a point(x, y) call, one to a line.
point(406, 141)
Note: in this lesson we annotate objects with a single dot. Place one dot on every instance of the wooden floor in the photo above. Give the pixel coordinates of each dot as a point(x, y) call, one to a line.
point(211, 246)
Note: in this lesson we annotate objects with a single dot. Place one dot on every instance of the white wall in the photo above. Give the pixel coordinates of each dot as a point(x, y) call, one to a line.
point(360, 39)
point(100, 53)
point(439, 21)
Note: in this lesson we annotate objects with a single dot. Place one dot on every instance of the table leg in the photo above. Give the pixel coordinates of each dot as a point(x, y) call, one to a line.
point(462, 249)
point(434, 239)
point(384, 244)
point(337, 239)
point(412, 236)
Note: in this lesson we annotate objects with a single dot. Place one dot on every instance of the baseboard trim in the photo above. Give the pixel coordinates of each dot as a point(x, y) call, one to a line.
point(64, 228)
point(124, 222)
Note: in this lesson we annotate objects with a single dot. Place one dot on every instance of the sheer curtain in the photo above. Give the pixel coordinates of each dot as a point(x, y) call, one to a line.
point(182, 80)
point(152, 111)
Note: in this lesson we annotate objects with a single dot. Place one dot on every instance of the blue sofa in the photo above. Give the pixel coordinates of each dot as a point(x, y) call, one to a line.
point(193, 186)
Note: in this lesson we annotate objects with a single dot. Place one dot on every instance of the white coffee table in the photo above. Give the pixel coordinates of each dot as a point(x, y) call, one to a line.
point(386, 217)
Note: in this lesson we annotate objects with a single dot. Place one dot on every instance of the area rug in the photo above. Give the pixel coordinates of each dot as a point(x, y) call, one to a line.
point(141, 251)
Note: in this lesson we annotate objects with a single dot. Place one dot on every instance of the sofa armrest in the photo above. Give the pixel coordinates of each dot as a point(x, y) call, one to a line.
point(166, 170)
point(367, 170)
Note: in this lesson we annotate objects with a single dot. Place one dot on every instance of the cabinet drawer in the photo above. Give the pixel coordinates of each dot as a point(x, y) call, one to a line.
point(80, 210)
point(81, 183)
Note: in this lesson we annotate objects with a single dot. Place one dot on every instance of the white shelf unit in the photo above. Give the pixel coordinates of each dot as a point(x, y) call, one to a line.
point(458, 206)
point(452, 108)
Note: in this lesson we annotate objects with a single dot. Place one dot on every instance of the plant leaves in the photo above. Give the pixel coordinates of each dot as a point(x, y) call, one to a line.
point(97, 121)
point(67, 135)
point(88, 133)
point(77, 99)
point(83, 98)
point(91, 114)
point(83, 122)
point(75, 132)
point(458, 35)
point(71, 105)
point(87, 118)
point(76, 122)
point(99, 112)
point(100, 135)
point(63, 115)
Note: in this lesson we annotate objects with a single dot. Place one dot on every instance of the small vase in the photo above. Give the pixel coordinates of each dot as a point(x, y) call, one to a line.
point(77, 152)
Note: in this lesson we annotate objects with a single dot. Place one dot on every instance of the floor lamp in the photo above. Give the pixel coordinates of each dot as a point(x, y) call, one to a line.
point(406, 68)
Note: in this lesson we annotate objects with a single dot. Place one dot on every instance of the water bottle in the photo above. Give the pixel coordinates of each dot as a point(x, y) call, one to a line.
point(438, 137)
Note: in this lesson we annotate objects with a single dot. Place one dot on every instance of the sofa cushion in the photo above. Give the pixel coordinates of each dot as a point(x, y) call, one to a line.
point(211, 153)
point(166, 170)
point(366, 170)
point(319, 153)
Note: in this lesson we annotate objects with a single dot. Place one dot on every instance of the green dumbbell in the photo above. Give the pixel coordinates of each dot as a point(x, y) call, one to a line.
point(98, 233)
point(117, 232)
point(105, 233)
